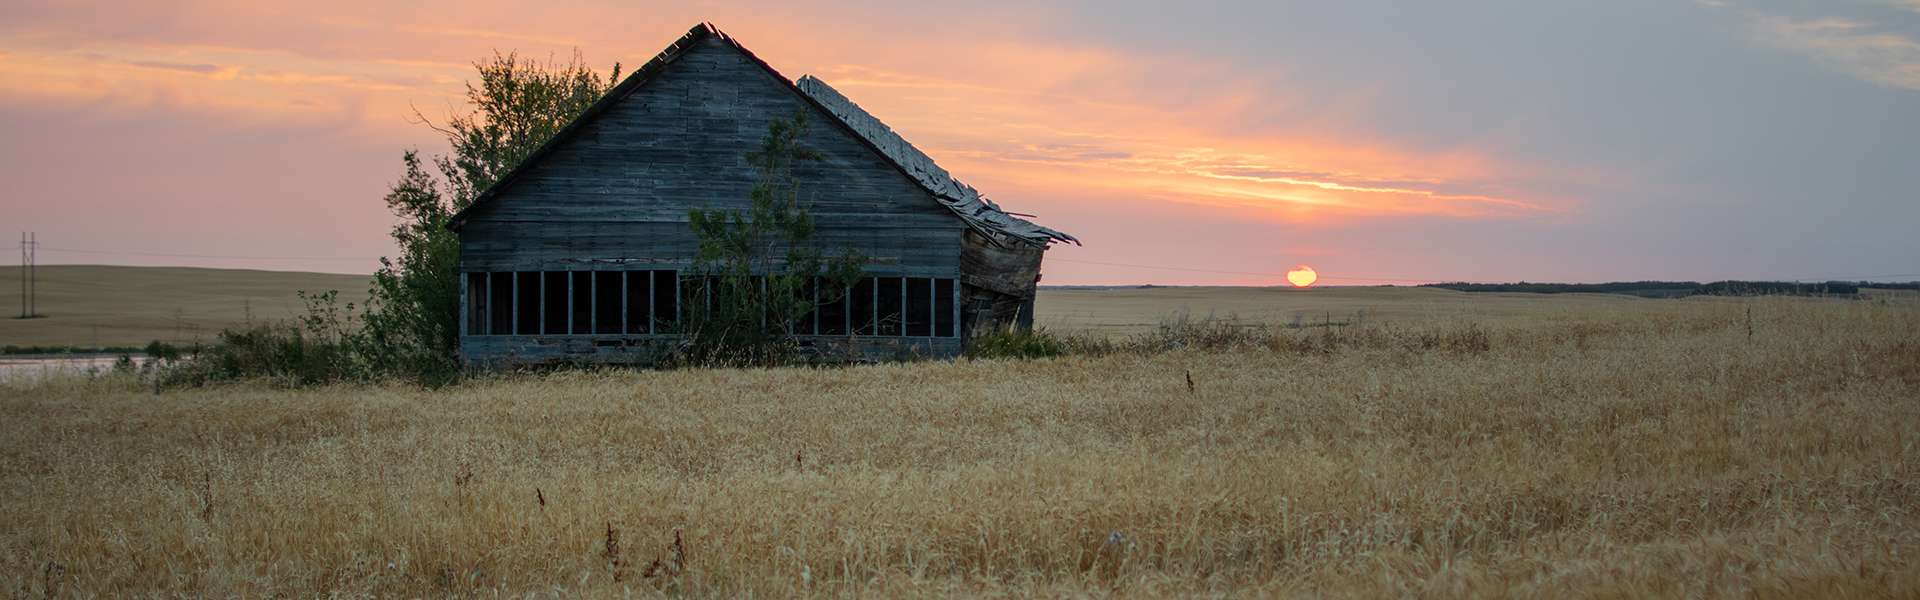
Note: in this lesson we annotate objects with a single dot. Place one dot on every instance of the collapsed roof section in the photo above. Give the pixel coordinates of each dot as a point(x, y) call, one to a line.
point(979, 212)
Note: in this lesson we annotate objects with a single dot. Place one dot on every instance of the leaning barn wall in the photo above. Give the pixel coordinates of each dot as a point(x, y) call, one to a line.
point(998, 284)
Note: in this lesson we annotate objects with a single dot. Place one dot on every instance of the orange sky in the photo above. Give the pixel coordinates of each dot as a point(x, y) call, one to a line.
point(218, 129)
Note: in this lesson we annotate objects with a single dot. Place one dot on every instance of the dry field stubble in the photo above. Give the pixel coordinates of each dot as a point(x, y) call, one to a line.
point(1659, 451)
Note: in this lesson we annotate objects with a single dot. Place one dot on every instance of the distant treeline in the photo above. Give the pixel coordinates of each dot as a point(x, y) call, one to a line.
point(1677, 289)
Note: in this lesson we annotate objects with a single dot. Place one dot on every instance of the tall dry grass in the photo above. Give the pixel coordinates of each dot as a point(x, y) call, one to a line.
point(1662, 450)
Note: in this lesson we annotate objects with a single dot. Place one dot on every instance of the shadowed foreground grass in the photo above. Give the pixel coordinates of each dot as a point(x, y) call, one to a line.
point(1661, 452)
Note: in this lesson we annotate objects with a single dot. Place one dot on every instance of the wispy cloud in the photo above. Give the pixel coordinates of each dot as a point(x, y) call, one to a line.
point(1046, 134)
point(241, 83)
point(202, 68)
point(1854, 47)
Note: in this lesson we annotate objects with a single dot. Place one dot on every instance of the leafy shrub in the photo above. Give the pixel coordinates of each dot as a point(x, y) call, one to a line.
point(162, 351)
point(276, 352)
point(760, 267)
point(410, 327)
point(324, 345)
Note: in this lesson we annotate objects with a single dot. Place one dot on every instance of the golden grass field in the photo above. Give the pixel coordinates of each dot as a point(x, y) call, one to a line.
point(1534, 446)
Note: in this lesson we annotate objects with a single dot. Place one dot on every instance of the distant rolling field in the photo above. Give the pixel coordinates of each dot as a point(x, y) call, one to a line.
point(1130, 310)
point(97, 306)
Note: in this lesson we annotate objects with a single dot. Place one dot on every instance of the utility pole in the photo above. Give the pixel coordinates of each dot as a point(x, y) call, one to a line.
point(33, 274)
point(23, 274)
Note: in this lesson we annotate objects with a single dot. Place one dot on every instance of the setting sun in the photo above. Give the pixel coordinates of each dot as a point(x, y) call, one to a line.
point(1302, 276)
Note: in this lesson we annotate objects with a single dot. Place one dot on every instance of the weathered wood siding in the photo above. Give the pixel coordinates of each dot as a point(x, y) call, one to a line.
point(621, 188)
point(999, 283)
point(1012, 269)
point(615, 196)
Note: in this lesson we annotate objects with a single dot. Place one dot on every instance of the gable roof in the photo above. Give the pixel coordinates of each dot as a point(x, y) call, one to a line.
point(979, 213)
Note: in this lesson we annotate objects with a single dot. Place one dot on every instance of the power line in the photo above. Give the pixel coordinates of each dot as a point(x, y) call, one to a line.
point(224, 256)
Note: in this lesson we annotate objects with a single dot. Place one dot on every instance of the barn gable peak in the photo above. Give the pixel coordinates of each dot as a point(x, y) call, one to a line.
point(966, 203)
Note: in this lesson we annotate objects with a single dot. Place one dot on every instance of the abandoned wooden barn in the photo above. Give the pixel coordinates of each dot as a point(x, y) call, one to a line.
point(583, 252)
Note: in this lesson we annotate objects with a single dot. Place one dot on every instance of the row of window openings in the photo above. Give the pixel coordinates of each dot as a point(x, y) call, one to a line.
point(649, 302)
